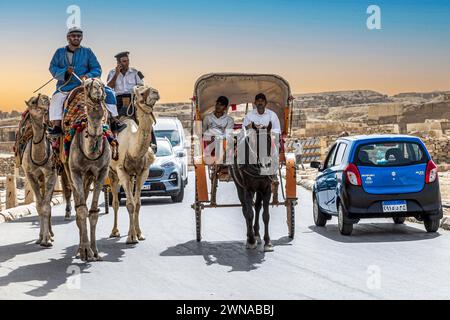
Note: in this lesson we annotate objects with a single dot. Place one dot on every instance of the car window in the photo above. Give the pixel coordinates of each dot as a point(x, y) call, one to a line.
point(172, 135)
point(164, 149)
point(330, 159)
point(390, 154)
point(340, 154)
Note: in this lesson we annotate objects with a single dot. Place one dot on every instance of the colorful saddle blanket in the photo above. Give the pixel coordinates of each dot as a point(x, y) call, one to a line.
point(75, 120)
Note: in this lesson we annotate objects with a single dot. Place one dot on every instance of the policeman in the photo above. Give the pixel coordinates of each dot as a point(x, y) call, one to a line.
point(122, 80)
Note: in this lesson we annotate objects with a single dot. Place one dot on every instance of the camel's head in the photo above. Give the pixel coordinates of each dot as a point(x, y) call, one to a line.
point(38, 106)
point(95, 90)
point(146, 97)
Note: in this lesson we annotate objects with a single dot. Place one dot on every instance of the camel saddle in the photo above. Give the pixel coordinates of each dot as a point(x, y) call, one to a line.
point(75, 121)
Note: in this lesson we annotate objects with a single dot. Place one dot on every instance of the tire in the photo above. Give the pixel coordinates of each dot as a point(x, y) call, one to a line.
point(291, 219)
point(320, 219)
point(345, 227)
point(180, 196)
point(432, 225)
point(399, 220)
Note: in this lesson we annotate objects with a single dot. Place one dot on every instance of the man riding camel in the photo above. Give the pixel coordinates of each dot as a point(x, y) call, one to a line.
point(67, 64)
point(122, 80)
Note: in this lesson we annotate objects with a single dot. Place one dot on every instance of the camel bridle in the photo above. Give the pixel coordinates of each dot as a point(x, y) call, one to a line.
point(90, 101)
point(148, 109)
point(43, 127)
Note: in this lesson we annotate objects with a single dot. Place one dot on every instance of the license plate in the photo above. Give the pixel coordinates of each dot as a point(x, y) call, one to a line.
point(395, 206)
point(147, 187)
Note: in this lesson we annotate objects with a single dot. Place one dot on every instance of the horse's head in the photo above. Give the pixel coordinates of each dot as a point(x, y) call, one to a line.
point(38, 107)
point(95, 90)
point(260, 141)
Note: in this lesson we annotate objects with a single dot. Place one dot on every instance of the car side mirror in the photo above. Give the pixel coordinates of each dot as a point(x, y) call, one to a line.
point(316, 165)
point(181, 154)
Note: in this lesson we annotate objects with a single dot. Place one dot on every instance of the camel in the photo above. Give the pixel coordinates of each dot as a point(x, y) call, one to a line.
point(135, 157)
point(88, 163)
point(39, 167)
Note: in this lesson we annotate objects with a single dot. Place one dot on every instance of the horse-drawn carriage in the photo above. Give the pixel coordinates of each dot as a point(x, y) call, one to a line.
point(241, 90)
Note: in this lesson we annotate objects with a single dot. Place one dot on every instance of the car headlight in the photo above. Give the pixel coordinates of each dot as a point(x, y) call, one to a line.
point(168, 164)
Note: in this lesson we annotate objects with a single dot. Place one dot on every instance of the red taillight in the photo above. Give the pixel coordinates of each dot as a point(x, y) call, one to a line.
point(432, 172)
point(352, 175)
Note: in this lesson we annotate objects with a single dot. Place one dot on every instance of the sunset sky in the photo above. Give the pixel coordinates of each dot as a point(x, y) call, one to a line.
point(316, 45)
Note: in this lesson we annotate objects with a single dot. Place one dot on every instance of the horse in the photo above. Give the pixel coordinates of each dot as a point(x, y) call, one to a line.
point(254, 175)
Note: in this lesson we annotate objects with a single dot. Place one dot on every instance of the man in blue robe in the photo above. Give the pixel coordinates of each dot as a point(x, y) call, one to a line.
point(70, 60)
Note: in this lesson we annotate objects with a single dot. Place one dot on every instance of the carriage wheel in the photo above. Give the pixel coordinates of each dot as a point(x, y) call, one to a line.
point(291, 219)
point(198, 218)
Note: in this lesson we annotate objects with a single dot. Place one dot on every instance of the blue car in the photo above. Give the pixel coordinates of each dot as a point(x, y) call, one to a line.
point(380, 176)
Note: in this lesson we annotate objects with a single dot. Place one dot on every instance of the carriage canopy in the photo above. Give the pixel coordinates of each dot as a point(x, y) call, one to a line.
point(242, 88)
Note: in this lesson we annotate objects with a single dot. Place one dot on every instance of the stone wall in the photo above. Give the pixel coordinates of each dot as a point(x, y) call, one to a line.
point(439, 148)
point(7, 166)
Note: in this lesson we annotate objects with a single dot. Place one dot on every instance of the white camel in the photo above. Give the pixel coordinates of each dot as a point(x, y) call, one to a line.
point(135, 157)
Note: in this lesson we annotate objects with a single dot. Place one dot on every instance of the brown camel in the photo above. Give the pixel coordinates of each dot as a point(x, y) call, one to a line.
point(88, 163)
point(39, 167)
point(135, 157)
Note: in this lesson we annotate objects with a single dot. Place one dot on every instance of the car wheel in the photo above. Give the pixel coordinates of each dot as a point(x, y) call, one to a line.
point(180, 196)
point(319, 218)
point(432, 225)
point(399, 220)
point(345, 227)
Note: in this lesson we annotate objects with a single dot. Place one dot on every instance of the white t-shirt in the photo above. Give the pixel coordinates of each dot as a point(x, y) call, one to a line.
point(212, 122)
point(125, 83)
point(263, 119)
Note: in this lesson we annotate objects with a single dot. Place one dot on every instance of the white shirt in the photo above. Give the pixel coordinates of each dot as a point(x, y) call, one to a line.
point(263, 119)
point(222, 123)
point(125, 83)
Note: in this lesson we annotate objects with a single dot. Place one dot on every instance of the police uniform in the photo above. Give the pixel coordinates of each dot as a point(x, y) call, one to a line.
point(125, 83)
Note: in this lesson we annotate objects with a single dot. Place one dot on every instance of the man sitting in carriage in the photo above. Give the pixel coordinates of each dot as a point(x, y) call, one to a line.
point(219, 119)
point(262, 118)
point(216, 126)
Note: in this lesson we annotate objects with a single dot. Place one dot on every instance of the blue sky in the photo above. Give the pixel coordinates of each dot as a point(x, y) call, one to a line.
point(317, 45)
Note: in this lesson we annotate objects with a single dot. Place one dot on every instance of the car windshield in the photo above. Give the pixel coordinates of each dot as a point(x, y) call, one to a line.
point(172, 135)
point(164, 149)
point(390, 154)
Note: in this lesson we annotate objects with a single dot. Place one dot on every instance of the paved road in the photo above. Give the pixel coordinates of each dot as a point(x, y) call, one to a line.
point(381, 260)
